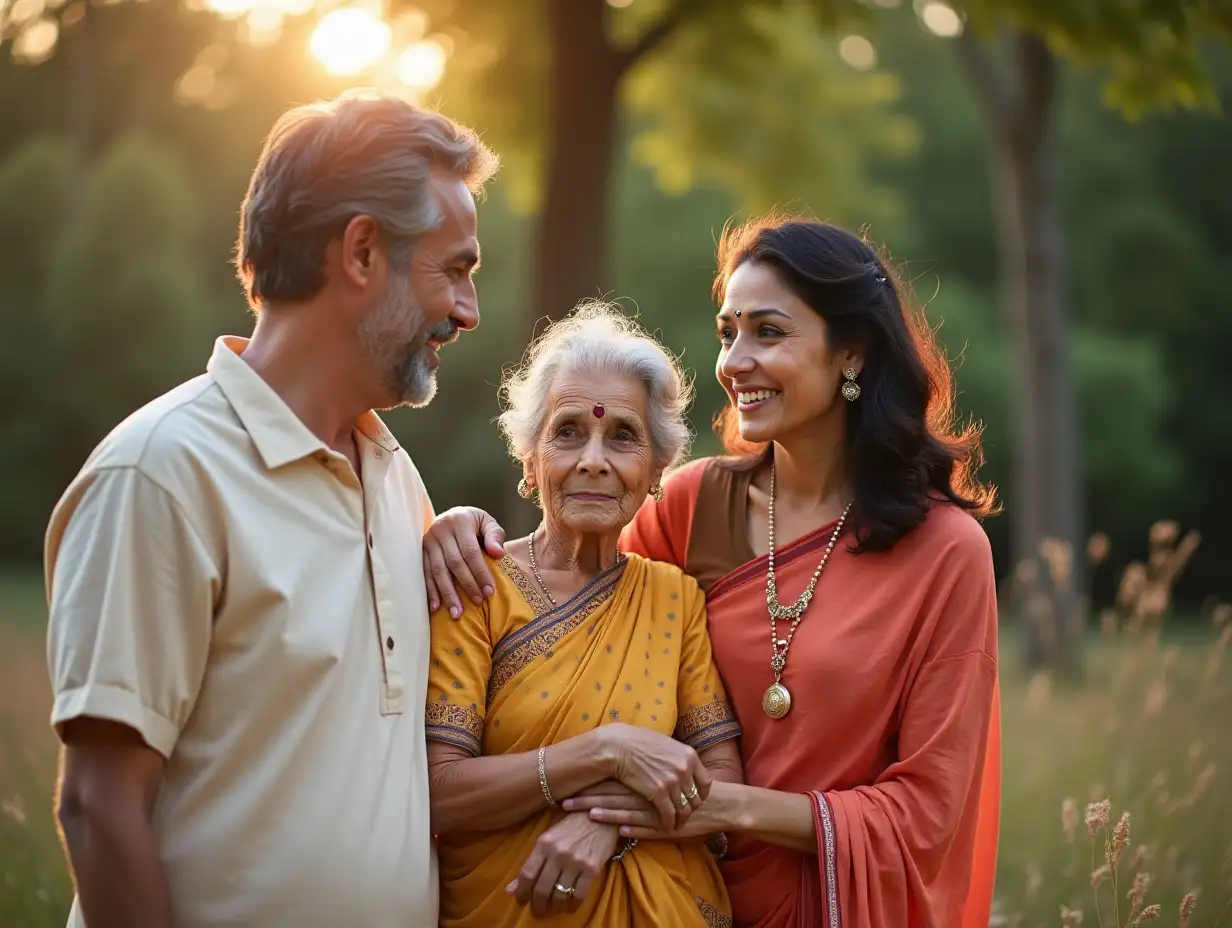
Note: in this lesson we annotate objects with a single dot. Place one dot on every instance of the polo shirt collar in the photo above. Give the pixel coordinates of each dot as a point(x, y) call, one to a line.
point(278, 434)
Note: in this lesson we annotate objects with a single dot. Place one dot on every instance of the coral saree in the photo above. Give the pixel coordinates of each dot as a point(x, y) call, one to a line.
point(894, 728)
point(515, 674)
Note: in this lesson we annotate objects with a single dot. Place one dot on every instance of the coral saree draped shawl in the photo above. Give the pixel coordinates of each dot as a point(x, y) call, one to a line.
point(516, 674)
point(894, 728)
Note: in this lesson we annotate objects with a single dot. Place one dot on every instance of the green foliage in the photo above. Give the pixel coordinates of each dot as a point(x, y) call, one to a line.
point(1128, 467)
point(113, 298)
point(769, 112)
point(747, 95)
point(1147, 52)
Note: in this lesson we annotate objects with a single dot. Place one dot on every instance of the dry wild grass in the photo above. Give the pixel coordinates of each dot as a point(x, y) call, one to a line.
point(1149, 725)
point(34, 886)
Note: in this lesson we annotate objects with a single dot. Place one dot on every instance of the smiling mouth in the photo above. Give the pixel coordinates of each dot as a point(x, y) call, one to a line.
point(752, 399)
point(590, 497)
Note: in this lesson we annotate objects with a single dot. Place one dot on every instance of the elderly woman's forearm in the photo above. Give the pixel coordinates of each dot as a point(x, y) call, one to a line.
point(481, 794)
point(722, 762)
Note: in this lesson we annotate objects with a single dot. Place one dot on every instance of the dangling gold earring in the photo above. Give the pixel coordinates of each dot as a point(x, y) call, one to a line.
point(851, 389)
point(657, 492)
point(524, 489)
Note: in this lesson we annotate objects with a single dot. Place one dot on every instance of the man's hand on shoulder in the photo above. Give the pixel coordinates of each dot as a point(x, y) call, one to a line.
point(452, 553)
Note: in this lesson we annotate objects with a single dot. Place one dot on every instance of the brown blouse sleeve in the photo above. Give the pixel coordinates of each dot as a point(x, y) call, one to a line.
point(718, 543)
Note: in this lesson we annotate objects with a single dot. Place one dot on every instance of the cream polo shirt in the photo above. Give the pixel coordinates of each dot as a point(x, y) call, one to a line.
point(219, 581)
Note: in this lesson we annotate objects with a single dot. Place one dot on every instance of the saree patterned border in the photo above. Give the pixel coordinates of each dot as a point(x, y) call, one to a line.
point(460, 726)
point(530, 591)
point(712, 916)
point(706, 725)
point(534, 639)
point(833, 914)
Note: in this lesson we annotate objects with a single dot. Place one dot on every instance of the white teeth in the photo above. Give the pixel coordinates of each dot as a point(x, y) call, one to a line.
point(757, 397)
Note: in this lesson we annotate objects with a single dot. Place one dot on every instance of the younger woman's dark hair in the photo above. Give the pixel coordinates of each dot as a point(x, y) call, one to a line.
point(905, 447)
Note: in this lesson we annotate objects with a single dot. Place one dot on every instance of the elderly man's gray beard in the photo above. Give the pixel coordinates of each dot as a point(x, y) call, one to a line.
point(404, 362)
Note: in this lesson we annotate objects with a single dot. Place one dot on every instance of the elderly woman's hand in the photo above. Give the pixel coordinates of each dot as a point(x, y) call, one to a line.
point(451, 552)
point(570, 854)
point(669, 774)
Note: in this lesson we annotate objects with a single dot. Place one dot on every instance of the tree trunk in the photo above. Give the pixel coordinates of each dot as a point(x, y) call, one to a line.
point(571, 258)
point(1046, 501)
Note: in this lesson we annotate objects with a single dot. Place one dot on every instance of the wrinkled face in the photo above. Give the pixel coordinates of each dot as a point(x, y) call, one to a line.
point(593, 472)
point(424, 309)
point(775, 359)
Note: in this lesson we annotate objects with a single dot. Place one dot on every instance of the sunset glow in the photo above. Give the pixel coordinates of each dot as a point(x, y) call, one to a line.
point(350, 40)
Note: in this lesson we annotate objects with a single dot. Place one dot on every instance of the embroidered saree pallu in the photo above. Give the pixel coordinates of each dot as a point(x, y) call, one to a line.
point(515, 674)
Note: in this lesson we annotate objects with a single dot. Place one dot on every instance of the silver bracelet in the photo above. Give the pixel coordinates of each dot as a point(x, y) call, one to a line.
point(630, 844)
point(543, 779)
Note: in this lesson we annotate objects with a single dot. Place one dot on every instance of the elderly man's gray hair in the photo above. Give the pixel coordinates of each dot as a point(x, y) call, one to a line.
point(363, 153)
point(597, 338)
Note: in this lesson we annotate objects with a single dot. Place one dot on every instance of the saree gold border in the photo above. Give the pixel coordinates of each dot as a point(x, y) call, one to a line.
point(707, 725)
point(457, 725)
point(530, 591)
point(834, 917)
point(517, 660)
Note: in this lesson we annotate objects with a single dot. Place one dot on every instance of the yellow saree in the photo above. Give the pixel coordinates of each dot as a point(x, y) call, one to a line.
point(515, 674)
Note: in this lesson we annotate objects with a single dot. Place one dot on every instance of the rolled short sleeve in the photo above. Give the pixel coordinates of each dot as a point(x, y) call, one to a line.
point(705, 716)
point(458, 678)
point(131, 590)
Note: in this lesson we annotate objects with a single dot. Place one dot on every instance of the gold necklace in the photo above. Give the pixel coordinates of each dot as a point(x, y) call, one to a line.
point(530, 547)
point(776, 702)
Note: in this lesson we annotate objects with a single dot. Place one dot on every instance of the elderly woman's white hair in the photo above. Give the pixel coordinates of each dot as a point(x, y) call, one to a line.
point(598, 338)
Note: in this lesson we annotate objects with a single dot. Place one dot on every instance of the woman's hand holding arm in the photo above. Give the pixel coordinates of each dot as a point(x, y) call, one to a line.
point(490, 793)
point(775, 817)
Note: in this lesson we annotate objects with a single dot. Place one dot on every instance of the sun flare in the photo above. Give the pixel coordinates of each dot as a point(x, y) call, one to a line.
point(349, 40)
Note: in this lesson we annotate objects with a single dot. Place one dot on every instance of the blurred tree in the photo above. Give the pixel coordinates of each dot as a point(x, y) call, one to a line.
point(1150, 51)
point(1146, 239)
point(747, 95)
point(104, 300)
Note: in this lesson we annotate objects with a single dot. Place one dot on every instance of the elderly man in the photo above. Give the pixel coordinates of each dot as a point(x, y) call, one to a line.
point(239, 636)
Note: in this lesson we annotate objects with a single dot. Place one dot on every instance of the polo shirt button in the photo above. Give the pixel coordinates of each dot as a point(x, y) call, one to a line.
point(389, 643)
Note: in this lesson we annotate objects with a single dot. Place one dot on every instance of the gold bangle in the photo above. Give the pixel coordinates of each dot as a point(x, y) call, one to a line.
point(543, 779)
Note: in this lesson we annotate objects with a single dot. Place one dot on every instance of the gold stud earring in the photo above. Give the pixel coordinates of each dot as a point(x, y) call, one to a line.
point(851, 389)
point(657, 492)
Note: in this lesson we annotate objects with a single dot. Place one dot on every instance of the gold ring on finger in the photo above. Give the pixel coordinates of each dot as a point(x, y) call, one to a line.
point(693, 793)
point(682, 801)
point(566, 890)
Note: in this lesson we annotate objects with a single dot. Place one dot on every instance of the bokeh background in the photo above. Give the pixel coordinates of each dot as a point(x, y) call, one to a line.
point(1050, 181)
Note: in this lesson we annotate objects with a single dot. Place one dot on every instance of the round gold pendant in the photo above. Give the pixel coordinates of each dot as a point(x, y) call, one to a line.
point(776, 701)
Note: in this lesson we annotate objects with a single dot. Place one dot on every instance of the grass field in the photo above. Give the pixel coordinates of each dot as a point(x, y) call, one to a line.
point(1150, 727)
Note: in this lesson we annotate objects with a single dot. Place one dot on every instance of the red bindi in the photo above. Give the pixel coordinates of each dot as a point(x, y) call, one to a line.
point(598, 411)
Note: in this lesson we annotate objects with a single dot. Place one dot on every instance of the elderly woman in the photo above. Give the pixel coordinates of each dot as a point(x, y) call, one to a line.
point(586, 668)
